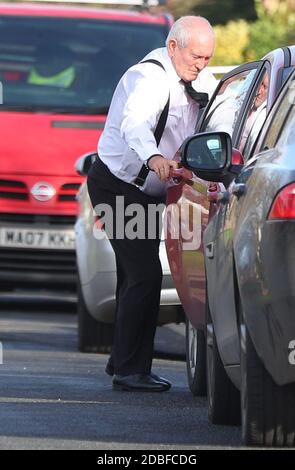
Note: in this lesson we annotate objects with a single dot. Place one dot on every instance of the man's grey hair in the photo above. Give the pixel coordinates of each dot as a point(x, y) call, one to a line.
point(182, 29)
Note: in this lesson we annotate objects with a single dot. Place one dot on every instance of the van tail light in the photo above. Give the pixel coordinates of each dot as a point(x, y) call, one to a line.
point(283, 207)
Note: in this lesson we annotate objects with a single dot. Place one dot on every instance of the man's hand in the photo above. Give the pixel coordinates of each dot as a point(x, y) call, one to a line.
point(162, 167)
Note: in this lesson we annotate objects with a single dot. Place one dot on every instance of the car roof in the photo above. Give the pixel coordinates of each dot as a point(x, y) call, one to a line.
point(278, 54)
point(28, 9)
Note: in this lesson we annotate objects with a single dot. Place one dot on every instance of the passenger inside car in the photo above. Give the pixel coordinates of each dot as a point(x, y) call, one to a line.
point(227, 103)
point(54, 66)
point(255, 118)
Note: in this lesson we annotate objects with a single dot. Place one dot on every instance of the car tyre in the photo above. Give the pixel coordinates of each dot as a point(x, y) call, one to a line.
point(93, 336)
point(223, 396)
point(268, 409)
point(195, 359)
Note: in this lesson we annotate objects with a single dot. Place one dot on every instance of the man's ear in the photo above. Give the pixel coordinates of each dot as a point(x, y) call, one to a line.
point(172, 44)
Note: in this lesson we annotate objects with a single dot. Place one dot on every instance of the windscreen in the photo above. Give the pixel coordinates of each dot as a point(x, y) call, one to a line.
point(63, 65)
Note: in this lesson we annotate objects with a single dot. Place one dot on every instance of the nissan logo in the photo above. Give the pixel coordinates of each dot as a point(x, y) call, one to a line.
point(43, 191)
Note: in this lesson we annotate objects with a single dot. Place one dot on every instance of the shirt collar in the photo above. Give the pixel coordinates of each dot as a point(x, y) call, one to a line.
point(162, 55)
point(170, 67)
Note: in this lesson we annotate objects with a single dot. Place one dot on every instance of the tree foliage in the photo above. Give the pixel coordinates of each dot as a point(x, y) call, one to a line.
point(217, 11)
point(273, 28)
point(231, 42)
point(239, 40)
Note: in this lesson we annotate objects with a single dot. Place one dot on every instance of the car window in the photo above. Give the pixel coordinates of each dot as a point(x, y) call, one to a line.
point(255, 117)
point(225, 109)
point(287, 134)
point(286, 73)
point(283, 113)
point(69, 64)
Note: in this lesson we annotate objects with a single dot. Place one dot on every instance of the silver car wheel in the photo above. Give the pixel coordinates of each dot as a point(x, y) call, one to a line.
point(193, 347)
point(195, 359)
point(209, 355)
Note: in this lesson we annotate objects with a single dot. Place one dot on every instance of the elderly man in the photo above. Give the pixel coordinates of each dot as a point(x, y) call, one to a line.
point(154, 108)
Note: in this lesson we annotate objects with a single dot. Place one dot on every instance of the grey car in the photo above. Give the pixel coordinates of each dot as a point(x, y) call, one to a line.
point(231, 109)
point(250, 272)
point(97, 277)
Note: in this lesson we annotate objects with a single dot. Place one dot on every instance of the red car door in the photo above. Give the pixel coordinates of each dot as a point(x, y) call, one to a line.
point(189, 203)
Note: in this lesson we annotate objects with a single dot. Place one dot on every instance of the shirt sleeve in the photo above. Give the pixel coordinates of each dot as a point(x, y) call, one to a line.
point(147, 88)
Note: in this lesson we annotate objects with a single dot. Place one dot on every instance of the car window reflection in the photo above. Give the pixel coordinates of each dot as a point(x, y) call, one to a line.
point(226, 107)
point(255, 117)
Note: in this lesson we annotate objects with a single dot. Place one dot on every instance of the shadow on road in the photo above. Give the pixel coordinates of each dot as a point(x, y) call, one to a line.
point(52, 396)
point(61, 315)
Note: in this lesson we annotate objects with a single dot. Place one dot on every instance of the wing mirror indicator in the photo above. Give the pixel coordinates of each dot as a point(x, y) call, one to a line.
point(237, 162)
point(83, 164)
point(237, 158)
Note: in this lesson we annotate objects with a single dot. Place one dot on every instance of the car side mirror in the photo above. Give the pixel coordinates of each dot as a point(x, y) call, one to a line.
point(83, 164)
point(211, 157)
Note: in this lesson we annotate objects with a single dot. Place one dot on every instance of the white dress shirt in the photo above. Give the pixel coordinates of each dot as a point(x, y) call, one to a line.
point(252, 127)
point(140, 96)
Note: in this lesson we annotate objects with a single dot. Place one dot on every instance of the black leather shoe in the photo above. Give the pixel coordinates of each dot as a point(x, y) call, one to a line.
point(160, 379)
point(110, 371)
point(138, 383)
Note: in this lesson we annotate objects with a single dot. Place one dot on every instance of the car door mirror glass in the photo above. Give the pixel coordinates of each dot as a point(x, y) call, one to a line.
point(205, 152)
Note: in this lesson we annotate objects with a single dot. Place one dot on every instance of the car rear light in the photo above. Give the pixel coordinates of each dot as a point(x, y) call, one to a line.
point(283, 206)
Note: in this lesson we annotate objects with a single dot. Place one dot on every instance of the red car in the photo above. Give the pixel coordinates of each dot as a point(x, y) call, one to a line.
point(191, 203)
point(58, 68)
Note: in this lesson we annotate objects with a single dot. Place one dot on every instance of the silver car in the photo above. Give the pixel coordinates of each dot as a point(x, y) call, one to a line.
point(97, 277)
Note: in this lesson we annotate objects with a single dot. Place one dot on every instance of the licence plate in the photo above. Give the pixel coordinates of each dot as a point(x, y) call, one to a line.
point(37, 238)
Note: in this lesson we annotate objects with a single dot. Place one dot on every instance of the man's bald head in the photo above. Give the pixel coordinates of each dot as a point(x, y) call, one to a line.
point(190, 45)
point(187, 27)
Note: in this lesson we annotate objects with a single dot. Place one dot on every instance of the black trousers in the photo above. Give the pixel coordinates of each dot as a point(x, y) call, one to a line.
point(139, 275)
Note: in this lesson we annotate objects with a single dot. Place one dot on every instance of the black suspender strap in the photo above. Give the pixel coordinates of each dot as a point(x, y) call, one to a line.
point(164, 115)
point(144, 171)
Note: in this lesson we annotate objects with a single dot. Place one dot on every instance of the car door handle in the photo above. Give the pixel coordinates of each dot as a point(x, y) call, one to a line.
point(179, 176)
point(223, 197)
point(239, 189)
point(212, 196)
point(212, 192)
point(210, 250)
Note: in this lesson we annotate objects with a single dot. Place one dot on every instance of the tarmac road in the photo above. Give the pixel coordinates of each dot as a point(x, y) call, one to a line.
point(53, 397)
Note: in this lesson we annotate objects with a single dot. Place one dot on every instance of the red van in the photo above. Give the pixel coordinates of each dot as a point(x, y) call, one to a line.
point(58, 69)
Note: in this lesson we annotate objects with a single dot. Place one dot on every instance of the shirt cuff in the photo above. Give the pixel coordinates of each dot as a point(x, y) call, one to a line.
point(145, 150)
point(147, 161)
